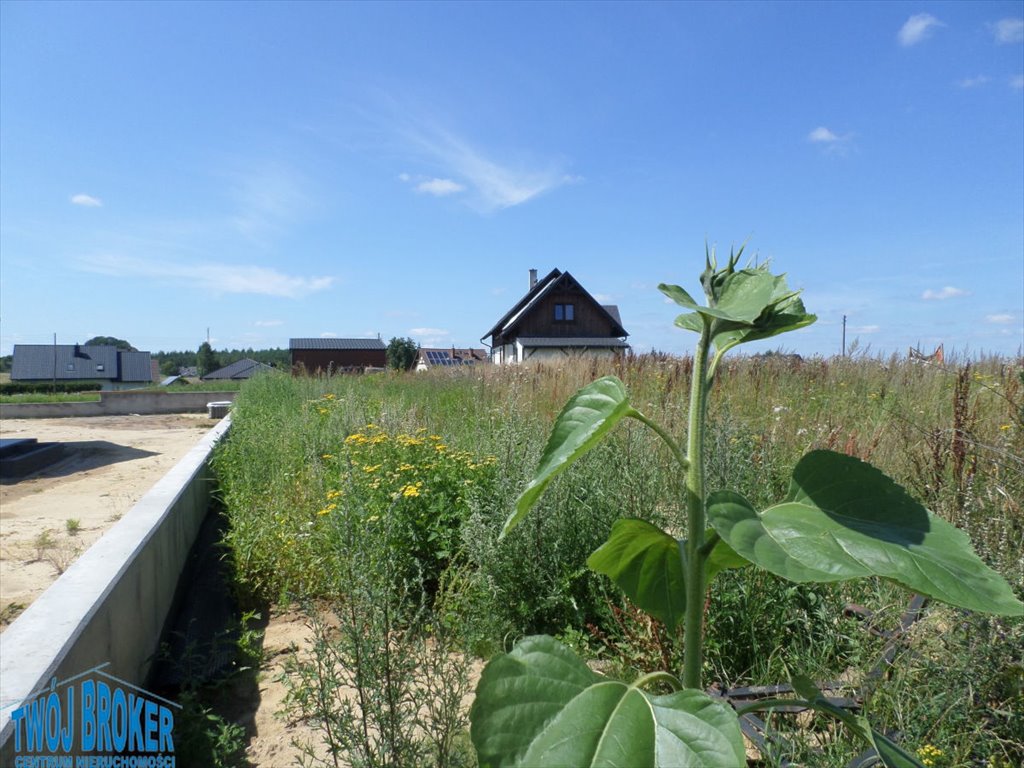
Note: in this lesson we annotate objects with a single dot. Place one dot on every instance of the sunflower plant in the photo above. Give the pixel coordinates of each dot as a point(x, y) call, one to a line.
point(541, 705)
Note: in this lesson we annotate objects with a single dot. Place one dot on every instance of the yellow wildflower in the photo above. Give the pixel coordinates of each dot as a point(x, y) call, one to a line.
point(928, 753)
point(372, 467)
point(327, 456)
point(411, 490)
point(404, 467)
point(333, 495)
point(328, 509)
point(435, 438)
point(1005, 427)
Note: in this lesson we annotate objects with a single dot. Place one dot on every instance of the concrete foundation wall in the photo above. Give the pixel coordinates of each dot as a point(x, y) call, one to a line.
point(118, 404)
point(111, 604)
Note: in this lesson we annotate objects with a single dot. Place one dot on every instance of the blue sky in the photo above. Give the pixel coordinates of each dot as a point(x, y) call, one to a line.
point(270, 171)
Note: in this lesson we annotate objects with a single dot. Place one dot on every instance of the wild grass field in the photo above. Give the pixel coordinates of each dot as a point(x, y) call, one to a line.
point(376, 502)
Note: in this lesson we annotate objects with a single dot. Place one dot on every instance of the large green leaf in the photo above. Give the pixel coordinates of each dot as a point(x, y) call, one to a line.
point(743, 298)
point(647, 564)
point(584, 420)
point(844, 519)
point(788, 315)
point(747, 305)
point(540, 706)
point(722, 558)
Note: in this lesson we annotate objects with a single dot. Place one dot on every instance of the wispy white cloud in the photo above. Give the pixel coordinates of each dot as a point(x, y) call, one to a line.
point(1006, 31)
point(439, 187)
point(865, 329)
point(212, 278)
point(87, 201)
point(949, 292)
point(496, 185)
point(1000, 319)
point(972, 82)
point(1017, 81)
point(822, 135)
point(328, 335)
point(829, 140)
point(268, 323)
point(428, 331)
point(917, 28)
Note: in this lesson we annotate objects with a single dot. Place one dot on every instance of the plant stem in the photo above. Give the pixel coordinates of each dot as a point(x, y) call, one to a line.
point(676, 451)
point(659, 677)
point(693, 565)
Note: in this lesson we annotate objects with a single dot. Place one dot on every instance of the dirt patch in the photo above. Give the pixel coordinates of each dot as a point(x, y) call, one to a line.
point(272, 733)
point(50, 517)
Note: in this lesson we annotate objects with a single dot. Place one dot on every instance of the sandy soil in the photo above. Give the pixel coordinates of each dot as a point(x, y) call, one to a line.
point(109, 462)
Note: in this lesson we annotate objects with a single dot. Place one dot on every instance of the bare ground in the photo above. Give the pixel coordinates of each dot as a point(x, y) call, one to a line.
point(109, 463)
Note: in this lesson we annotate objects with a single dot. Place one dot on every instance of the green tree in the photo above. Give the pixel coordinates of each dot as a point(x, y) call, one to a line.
point(401, 353)
point(169, 368)
point(109, 341)
point(206, 359)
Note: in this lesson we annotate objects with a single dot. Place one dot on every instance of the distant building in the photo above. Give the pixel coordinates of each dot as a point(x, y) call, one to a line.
point(112, 367)
point(556, 318)
point(336, 355)
point(237, 371)
point(446, 357)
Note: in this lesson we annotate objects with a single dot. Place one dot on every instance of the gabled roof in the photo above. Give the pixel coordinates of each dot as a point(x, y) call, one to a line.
point(543, 287)
point(76, 361)
point(332, 343)
point(520, 305)
point(240, 369)
point(134, 366)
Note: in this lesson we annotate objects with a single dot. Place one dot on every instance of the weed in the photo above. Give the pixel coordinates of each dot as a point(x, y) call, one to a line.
point(73, 526)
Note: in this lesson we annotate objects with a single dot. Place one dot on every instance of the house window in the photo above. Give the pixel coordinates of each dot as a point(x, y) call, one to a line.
point(565, 313)
point(71, 366)
point(99, 367)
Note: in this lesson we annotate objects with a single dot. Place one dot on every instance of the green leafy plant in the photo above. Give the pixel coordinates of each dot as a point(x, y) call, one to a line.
point(841, 519)
point(401, 353)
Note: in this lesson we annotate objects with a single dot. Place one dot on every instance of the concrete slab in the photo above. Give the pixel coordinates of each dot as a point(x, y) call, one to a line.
point(112, 603)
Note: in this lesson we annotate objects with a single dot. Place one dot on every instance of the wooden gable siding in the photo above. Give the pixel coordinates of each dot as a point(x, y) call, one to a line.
point(323, 360)
point(589, 318)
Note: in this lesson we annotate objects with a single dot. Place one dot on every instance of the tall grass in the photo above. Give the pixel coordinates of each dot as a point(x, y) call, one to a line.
point(953, 435)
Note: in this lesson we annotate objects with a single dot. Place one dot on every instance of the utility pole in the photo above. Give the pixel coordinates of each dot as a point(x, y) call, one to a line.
point(844, 335)
point(54, 388)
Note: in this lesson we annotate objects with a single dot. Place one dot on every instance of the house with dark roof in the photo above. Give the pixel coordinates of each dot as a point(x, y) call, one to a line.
point(238, 370)
point(557, 318)
point(332, 355)
point(114, 368)
point(447, 357)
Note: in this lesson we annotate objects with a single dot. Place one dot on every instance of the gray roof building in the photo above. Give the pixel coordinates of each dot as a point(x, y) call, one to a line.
point(333, 343)
point(240, 369)
point(64, 362)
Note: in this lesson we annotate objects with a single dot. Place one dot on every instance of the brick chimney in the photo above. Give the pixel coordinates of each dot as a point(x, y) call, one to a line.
point(533, 278)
